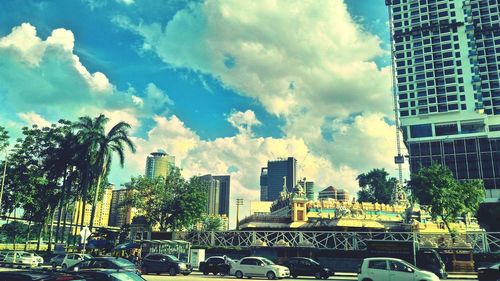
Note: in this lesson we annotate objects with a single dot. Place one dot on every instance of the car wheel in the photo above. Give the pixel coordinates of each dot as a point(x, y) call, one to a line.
point(64, 266)
point(205, 272)
point(238, 274)
point(172, 271)
point(367, 279)
point(145, 270)
point(294, 276)
point(215, 272)
point(318, 275)
point(54, 265)
point(185, 274)
point(270, 275)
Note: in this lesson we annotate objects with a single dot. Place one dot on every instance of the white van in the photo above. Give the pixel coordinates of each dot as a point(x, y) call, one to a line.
point(390, 269)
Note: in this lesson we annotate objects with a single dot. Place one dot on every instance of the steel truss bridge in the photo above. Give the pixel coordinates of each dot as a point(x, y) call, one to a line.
point(481, 242)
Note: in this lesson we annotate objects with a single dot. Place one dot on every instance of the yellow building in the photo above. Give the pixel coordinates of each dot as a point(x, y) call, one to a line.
point(102, 210)
point(260, 207)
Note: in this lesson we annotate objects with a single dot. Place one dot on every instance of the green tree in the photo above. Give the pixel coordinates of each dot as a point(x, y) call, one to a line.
point(170, 203)
point(447, 198)
point(100, 147)
point(4, 139)
point(213, 223)
point(376, 187)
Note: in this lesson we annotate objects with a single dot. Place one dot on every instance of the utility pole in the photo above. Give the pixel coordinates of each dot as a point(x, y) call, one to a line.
point(3, 181)
point(239, 202)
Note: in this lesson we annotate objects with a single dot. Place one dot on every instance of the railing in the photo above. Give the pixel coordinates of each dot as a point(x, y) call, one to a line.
point(481, 242)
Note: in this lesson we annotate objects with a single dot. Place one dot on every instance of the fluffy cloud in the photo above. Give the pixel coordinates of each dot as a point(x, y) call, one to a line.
point(243, 121)
point(32, 118)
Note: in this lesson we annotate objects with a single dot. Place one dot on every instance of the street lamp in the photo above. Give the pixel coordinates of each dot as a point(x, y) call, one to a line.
point(239, 202)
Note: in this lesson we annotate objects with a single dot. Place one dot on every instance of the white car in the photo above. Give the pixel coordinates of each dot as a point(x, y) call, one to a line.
point(390, 269)
point(72, 259)
point(24, 258)
point(259, 267)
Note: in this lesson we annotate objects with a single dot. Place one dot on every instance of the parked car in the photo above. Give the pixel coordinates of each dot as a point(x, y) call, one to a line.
point(161, 263)
point(38, 275)
point(216, 265)
point(57, 260)
point(259, 267)
point(491, 273)
point(107, 275)
point(106, 263)
point(72, 259)
point(382, 269)
point(2, 255)
point(24, 258)
point(306, 267)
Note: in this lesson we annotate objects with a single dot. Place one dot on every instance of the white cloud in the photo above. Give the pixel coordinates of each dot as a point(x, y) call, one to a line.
point(33, 118)
point(126, 2)
point(243, 121)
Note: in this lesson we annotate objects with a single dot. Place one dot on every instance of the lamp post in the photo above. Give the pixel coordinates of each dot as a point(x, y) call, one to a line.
point(239, 202)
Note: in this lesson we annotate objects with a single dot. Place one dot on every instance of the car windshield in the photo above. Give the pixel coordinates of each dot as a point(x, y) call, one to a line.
point(126, 276)
point(268, 262)
point(313, 262)
point(85, 256)
point(173, 258)
point(123, 262)
point(410, 265)
point(26, 255)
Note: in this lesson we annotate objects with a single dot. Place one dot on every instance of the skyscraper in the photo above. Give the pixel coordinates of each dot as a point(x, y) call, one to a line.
point(158, 164)
point(213, 193)
point(277, 173)
point(224, 193)
point(308, 187)
point(446, 57)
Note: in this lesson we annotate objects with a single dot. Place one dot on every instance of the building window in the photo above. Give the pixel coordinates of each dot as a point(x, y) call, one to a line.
point(446, 129)
point(421, 131)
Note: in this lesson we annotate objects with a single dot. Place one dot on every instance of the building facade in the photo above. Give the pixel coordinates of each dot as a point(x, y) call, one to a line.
point(119, 214)
point(213, 193)
point(308, 186)
point(331, 192)
point(158, 164)
point(446, 60)
point(224, 193)
point(277, 174)
point(260, 207)
point(101, 214)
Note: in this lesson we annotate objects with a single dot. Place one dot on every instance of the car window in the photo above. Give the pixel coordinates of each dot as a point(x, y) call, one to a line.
point(172, 258)
point(153, 257)
point(26, 255)
point(397, 266)
point(84, 264)
point(304, 263)
point(101, 264)
point(378, 264)
point(248, 262)
point(268, 262)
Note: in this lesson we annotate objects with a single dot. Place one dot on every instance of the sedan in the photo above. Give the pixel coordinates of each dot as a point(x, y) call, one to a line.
point(491, 273)
point(105, 263)
point(160, 263)
point(307, 267)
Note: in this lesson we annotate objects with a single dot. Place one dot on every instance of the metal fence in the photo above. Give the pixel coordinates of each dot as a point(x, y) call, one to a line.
point(481, 242)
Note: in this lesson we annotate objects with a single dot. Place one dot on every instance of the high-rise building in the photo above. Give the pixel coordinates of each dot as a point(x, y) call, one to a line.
point(278, 173)
point(333, 193)
point(224, 193)
point(158, 164)
point(213, 188)
point(119, 214)
point(308, 187)
point(446, 57)
point(102, 211)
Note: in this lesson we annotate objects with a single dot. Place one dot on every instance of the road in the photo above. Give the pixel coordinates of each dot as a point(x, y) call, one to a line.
point(196, 276)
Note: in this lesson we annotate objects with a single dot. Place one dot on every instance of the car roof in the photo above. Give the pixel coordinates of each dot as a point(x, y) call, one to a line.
point(383, 258)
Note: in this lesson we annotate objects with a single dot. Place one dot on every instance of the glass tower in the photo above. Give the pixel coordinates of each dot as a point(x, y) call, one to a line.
point(277, 173)
point(446, 58)
point(158, 164)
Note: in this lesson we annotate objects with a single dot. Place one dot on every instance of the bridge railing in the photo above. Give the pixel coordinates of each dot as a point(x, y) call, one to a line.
point(481, 242)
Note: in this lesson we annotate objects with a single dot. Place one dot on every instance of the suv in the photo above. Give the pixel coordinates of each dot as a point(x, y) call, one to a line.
point(307, 267)
point(160, 263)
point(72, 259)
point(216, 265)
point(382, 269)
point(259, 267)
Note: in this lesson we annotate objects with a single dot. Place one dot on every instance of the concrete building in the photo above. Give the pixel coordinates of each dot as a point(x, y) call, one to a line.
point(308, 187)
point(446, 57)
point(333, 193)
point(213, 187)
point(275, 175)
point(102, 210)
point(224, 193)
point(158, 164)
point(118, 214)
point(260, 207)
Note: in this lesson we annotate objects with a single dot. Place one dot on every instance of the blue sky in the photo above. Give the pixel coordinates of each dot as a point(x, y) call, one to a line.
point(222, 85)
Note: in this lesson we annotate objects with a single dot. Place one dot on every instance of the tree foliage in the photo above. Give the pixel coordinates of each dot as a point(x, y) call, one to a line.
point(376, 187)
point(447, 198)
point(4, 139)
point(170, 203)
point(213, 223)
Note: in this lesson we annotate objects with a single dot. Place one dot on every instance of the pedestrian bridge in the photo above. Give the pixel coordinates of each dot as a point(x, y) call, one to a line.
point(481, 242)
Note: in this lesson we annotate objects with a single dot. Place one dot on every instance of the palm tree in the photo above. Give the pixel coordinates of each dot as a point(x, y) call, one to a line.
point(102, 148)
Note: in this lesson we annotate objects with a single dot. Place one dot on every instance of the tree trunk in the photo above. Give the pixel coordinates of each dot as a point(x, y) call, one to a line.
point(15, 236)
point(75, 222)
point(51, 230)
point(28, 236)
point(40, 233)
point(96, 195)
point(61, 203)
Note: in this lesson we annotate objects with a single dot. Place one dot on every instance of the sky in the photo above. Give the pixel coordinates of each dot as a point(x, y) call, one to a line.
point(224, 86)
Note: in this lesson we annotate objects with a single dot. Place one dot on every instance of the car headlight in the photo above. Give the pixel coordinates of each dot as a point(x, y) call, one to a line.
point(182, 266)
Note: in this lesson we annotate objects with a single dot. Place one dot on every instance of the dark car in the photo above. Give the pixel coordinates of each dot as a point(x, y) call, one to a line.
point(161, 263)
point(105, 263)
point(491, 273)
point(216, 265)
point(306, 267)
point(38, 275)
point(56, 260)
point(107, 275)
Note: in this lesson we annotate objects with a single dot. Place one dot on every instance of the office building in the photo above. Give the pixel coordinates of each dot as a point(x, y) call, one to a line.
point(308, 187)
point(102, 211)
point(119, 214)
point(446, 57)
point(224, 193)
point(158, 164)
point(277, 174)
point(213, 193)
point(333, 193)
